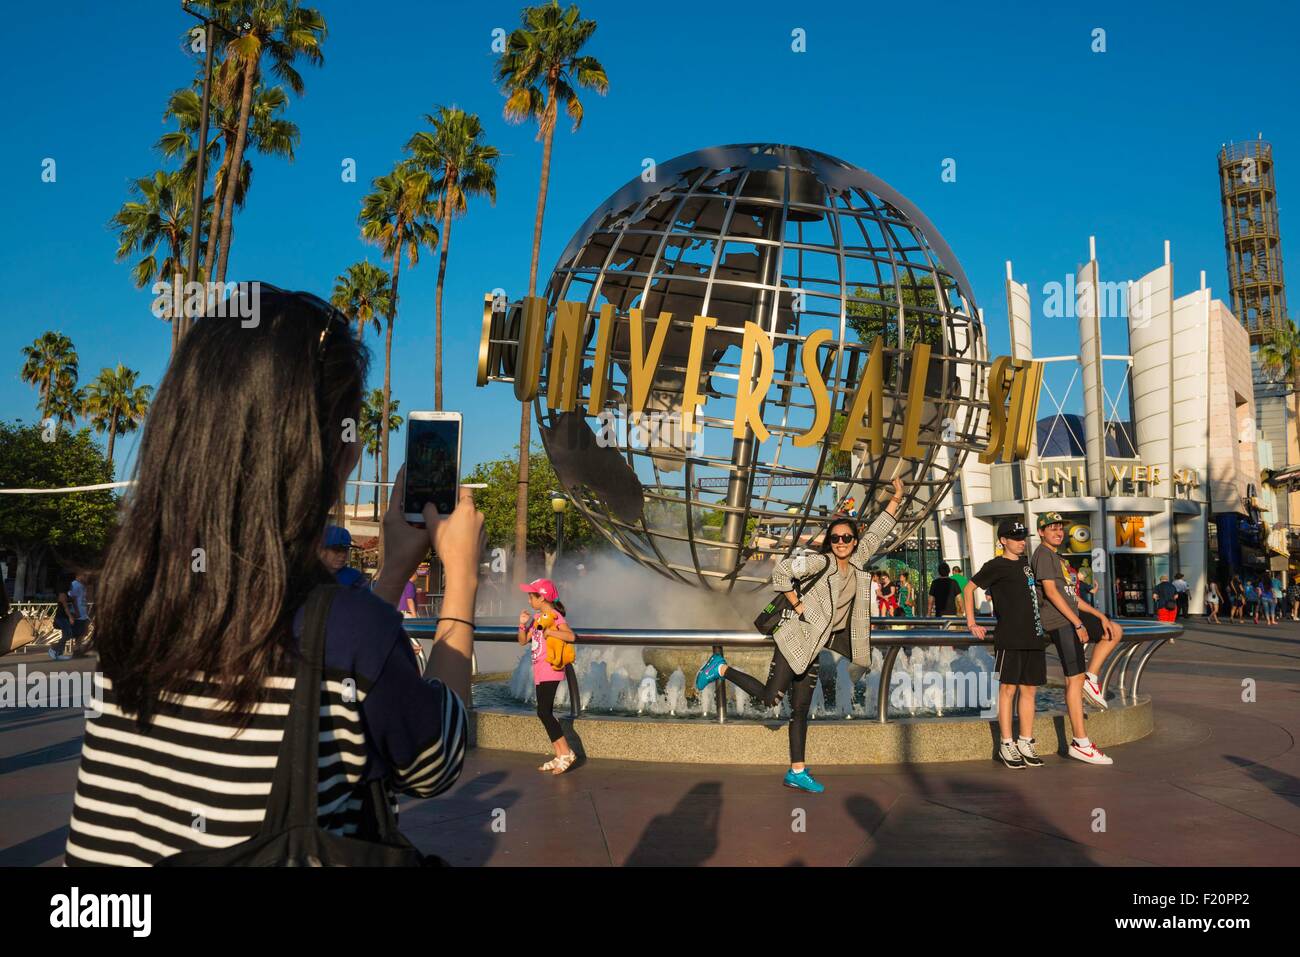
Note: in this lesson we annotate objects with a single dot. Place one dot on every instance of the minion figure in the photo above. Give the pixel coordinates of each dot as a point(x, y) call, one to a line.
point(1079, 538)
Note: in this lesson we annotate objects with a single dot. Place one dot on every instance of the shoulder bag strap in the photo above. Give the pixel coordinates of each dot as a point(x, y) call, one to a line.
point(292, 801)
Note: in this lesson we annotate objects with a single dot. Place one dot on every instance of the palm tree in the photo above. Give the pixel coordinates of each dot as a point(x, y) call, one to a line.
point(269, 134)
point(461, 166)
point(539, 70)
point(361, 294)
point(284, 31)
point(1279, 355)
point(50, 364)
point(371, 416)
point(156, 222)
point(115, 404)
point(396, 216)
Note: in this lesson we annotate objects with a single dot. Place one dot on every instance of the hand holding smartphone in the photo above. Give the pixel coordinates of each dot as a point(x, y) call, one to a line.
point(432, 464)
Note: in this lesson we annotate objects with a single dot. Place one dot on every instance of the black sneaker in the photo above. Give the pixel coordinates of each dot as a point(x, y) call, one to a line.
point(1028, 754)
point(1009, 755)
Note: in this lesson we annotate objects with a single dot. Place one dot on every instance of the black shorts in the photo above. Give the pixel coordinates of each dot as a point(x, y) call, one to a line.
point(1021, 666)
point(1092, 624)
point(1070, 650)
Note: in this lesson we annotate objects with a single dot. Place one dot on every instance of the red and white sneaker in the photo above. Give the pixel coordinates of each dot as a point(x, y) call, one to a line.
point(1088, 754)
point(1092, 691)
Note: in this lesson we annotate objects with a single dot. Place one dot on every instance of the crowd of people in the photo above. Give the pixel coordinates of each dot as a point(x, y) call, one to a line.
point(1248, 597)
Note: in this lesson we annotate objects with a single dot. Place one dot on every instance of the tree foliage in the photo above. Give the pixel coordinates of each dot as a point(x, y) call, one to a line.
point(497, 503)
point(76, 525)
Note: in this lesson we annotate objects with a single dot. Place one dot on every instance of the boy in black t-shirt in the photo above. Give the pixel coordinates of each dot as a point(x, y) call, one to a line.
point(1021, 662)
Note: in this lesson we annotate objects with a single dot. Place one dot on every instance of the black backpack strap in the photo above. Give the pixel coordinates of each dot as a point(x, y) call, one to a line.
point(800, 589)
point(292, 802)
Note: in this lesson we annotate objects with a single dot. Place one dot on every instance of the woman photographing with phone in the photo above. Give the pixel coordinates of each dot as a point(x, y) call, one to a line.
point(242, 459)
point(831, 609)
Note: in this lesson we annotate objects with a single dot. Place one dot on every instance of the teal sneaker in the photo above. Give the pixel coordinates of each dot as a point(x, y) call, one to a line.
point(802, 781)
point(708, 672)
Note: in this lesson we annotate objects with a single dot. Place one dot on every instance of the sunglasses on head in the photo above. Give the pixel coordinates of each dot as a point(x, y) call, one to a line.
point(843, 539)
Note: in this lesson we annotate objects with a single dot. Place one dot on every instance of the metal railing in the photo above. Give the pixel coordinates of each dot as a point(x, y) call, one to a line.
point(892, 635)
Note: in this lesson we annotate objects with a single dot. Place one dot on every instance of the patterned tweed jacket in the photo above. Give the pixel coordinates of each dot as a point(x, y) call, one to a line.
point(801, 638)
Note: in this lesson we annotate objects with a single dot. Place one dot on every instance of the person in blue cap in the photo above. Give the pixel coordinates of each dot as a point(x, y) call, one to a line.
point(334, 553)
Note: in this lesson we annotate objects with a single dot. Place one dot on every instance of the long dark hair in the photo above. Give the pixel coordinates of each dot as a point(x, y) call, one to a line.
point(242, 456)
point(830, 526)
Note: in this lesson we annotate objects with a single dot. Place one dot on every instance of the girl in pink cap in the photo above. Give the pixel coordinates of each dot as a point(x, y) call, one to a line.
point(545, 602)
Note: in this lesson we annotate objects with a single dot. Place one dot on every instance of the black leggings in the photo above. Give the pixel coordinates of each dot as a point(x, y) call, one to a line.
point(781, 676)
point(546, 709)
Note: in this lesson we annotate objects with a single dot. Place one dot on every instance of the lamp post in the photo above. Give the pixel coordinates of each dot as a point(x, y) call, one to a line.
point(558, 504)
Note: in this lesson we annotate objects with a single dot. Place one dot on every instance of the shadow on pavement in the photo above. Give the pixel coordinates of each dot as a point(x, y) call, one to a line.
point(687, 836)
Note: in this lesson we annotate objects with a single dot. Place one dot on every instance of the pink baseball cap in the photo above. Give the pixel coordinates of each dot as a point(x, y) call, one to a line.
point(542, 586)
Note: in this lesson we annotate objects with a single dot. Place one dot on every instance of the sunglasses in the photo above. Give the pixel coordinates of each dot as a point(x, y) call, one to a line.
point(842, 539)
point(330, 318)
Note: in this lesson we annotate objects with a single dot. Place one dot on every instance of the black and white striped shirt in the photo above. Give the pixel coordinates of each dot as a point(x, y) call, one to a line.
point(194, 779)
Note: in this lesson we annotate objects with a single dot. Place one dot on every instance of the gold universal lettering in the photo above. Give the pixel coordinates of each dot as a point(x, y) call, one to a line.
point(691, 397)
point(528, 364)
point(1117, 473)
point(915, 401)
point(750, 395)
point(869, 398)
point(997, 412)
point(643, 364)
point(566, 357)
point(600, 365)
point(817, 386)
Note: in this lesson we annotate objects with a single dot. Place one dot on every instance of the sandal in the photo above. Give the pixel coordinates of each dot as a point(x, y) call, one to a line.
point(549, 765)
point(564, 762)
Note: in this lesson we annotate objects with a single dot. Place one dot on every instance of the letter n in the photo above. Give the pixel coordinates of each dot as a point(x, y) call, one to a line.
point(566, 357)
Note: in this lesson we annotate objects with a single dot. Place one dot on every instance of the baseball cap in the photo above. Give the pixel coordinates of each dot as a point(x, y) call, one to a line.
point(1049, 518)
point(1012, 528)
point(542, 586)
point(337, 537)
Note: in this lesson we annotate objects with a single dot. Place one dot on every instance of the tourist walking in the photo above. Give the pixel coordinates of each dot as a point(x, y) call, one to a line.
point(65, 617)
point(1180, 594)
point(1063, 617)
point(1293, 598)
point(1213, 599)
point(1237, 598)
point(1267, 603)
point(943, 594)
point(549, 637)
point(906, 595)
point(243, 455)
point(888, 596)
point(1166, 597)
point(830, 611)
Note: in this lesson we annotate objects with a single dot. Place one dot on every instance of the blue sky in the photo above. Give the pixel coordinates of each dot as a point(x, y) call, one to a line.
point(1052, 142)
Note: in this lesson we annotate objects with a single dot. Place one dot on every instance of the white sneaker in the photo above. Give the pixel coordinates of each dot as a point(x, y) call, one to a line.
point(1088, 754)
point(1092, 691)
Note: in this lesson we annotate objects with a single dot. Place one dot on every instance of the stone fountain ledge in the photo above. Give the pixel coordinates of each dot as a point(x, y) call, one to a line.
point(830, 740)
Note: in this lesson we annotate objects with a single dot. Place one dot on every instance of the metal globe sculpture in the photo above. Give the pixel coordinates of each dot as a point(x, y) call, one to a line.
point(793, 241)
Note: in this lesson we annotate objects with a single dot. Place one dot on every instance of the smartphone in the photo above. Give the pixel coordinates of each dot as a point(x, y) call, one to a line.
point(432, 463)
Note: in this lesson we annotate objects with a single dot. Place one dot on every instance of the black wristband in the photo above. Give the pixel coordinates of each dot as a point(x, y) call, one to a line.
point(443, 618)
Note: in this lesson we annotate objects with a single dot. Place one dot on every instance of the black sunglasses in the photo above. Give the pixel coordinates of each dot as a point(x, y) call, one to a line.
point(332, 320)
point(843, 539)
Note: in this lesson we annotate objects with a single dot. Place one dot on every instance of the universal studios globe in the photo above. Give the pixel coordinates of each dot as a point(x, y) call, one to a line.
point(794, 241)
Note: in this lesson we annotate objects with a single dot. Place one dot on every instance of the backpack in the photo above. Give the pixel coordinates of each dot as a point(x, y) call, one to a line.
point(290, 835)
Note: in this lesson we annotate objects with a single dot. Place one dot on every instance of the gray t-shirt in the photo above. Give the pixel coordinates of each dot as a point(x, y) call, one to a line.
point(845, 587)
point(1047, 565)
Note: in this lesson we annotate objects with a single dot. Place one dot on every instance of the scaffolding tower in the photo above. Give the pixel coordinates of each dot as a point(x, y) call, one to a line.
point(1252, 237)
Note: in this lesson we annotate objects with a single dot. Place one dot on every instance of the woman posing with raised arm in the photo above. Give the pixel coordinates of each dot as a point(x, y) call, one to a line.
point(833, 611)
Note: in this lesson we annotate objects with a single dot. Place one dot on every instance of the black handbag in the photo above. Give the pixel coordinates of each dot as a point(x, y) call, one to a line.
point(290, 835)
point(779, 610)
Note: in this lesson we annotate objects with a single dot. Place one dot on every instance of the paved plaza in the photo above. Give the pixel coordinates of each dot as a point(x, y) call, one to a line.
point(1217, 784)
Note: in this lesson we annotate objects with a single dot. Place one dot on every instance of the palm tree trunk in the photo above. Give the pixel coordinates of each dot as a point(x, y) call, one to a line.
point(445, 241)
point(214, 228)
point(388, 381)
point(236, 163)
point(356, 490)
point(525, 414)
point(375, 500)
point(112, 434)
